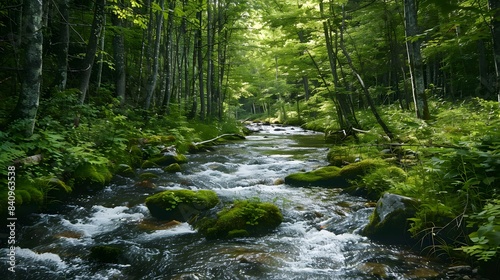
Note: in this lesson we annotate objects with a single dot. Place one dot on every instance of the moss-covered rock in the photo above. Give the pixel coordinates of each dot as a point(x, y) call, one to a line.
point(106, 254)
point(168, 158)
point(124, 170)
point(357, 169)
point(243, 218)
point(333, 176)
point(389, 222)
point(328, 176)
point(181, 205)
point(148, 164)
point(173, 168)
point(148, 176)
point(91, 176)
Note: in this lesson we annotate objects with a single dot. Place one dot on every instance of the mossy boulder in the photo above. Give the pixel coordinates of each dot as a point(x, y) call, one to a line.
point(173, 168)
point(328, 176)
point(91, 176)
point(334, 176)
point(107, 254)
point(168, 158)
point(243, 218)
point(124, 170)
point(355, 170)
point(181, 205)
point(389, 222)
point(148, 164)
point(148, 176)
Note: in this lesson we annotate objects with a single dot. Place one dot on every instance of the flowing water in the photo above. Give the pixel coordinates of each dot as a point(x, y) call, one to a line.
point(318, 239)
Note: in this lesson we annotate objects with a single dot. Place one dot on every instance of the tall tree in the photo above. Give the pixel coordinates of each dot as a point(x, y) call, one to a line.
point(62, 46)
point(27, 105)
point(88, 61)
point(119, 57)
point(413, 45)
point(156, 57)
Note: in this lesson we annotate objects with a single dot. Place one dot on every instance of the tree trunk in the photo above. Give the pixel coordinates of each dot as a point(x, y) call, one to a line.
point(494, 6)
point(362, 83)
point(119, 57)
point(415, 60)
point(169, 57)
point(199, 49)
point(62, 46)
point(156, 57)
point(27, 105)
point(92, 45)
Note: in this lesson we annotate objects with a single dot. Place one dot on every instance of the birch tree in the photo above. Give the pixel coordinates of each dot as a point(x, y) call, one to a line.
point(27, 105)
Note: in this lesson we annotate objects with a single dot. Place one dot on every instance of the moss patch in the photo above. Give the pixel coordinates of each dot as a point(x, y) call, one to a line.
point(243, 218)
point(181, 205)
point(91, 176)
point(169, 158)
point(173, 168)
point(326, 176)
point(124, 170)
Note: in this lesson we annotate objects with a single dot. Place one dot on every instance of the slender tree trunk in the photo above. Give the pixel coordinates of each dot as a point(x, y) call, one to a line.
point(210, 62)
point(119, 57)
point(169, 64)
point(27, 105)
point(101, 55)
point(362, 83)
point(156, 57)
point(199, 46)
point(63, 45)
point(92, 45)
point(415, 60)
point(494, 6)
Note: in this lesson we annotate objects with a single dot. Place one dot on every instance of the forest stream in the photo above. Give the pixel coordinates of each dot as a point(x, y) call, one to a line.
point(318, 238)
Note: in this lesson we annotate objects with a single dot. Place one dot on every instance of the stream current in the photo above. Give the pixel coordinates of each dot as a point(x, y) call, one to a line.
point(318, 238)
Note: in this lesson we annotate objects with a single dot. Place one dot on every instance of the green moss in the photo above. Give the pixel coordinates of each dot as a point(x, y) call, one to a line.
point(169, 158)
point(91, 176)
point(181, 205)
point(243, 218)
point(106, 254)
point(148, 164)
point(354, 170)
point(326, 176)
point(173, 168)
point(148, 175)
point(124, 170)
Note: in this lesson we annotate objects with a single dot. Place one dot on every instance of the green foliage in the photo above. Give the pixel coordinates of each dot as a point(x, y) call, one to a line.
point(486, 235)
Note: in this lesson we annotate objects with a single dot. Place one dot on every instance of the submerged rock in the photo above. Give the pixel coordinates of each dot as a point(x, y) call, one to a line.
point(243, 218)
point(389, 222)
point(106, 254)
point(181, 205)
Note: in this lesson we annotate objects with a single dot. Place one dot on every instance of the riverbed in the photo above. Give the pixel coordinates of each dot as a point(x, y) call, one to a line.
point(318, 238)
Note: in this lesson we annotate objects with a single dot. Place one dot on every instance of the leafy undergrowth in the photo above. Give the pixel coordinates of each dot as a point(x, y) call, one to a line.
point(450, 163)
point(82, 145)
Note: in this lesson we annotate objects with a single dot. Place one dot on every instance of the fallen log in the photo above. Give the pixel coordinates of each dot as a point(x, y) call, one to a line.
point(218, 137)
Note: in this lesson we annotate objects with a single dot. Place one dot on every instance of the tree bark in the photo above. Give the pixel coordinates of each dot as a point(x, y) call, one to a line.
point(415, 60)
point(27, 106)
point(199, 49)
point(156, 57)
point(119, 57)
point(62, 46)
point(92, 45)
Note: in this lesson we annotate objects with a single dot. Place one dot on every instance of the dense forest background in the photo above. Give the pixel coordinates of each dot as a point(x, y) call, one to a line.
point(80, 79)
